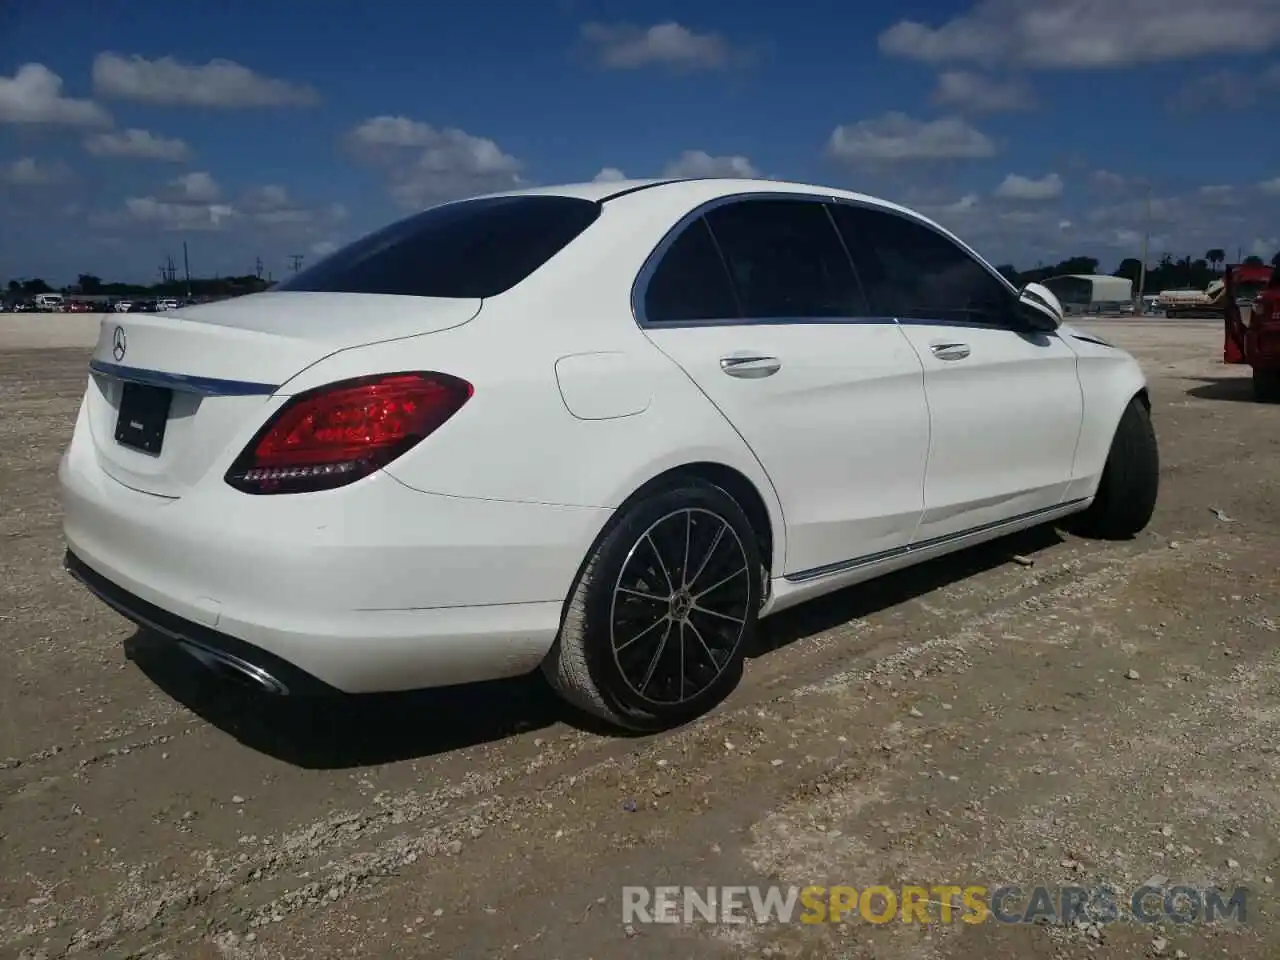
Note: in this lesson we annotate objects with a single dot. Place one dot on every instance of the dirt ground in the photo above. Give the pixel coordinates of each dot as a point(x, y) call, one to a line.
point(1042, 711)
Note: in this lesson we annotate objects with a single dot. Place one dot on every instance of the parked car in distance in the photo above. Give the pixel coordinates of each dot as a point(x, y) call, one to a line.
point(597, 429)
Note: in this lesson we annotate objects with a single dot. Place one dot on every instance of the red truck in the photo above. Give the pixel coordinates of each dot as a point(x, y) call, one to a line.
point(1255, 340)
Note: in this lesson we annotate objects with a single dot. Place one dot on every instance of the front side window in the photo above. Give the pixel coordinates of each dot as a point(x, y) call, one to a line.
point(786, 259)
point(469, 249)
point(914, 272)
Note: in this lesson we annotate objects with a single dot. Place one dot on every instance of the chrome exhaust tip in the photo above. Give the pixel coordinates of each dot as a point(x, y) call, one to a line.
point(233, 668)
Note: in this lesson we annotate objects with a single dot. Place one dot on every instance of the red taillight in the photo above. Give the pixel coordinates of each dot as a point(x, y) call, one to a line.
point(336, 434)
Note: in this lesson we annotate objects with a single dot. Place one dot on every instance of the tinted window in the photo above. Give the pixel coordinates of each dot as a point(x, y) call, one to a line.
point(786, 259)
point(690, 282)
point(910, 270)
point(473, 248)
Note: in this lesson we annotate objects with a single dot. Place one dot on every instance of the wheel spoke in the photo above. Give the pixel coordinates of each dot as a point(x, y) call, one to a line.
point(719, 583)
point(653, 662)
point(688, 537)
point(642, 595)
point(662, 564)
point(680, 689)
point(643, 633)
point(710, 551)
point(703, 643)
point(715, 613)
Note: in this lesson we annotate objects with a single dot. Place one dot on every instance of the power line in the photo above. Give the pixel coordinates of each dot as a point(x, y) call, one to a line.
point(296, 259)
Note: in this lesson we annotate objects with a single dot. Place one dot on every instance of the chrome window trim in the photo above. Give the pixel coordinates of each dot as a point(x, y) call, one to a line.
point(640, 286)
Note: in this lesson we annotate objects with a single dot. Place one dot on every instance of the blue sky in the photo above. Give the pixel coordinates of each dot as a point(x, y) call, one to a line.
point(1035, 128)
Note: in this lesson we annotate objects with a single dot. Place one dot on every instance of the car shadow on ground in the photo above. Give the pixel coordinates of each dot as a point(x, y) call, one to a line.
point(1235, 389)
point(359, 731)
point(887, 591)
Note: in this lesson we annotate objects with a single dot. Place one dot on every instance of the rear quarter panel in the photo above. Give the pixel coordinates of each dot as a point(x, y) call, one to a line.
point(516, 439)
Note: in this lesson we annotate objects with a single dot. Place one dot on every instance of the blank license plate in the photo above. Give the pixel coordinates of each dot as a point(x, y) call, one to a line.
point(144, 411)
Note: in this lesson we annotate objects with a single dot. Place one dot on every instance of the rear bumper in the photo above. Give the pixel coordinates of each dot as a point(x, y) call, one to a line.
point(271, 673)
point(369, 588)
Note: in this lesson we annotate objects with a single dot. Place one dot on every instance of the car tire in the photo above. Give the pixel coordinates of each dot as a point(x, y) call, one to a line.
point(1126, 496)
point(1266, 385)
point(634, 610)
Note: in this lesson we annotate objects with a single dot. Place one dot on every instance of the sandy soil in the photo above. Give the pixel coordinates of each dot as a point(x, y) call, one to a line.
point(1045, 710)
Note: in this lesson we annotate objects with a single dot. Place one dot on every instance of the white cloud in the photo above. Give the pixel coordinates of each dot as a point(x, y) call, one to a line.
point(976, 93)
point(28, 172)
point(34, 95)
point(197, 187)
point(1227, 89)
point(626, 47)
point(272, 205)
point(394, 132)
point(966, 203)
point(1110, 180)
point(1270, 187)
point(1017, 187)
point(178, 216)
point(188, 202)
point(698, 163)
point(897, 137)
point(195, 202)
point(1220, 194)
point(138, 144)
point(268, 197)
point(1265, 247)
point(324, 248)
point(429, 165)
point(1089, 34)
point(609, 175)
point(170, 82)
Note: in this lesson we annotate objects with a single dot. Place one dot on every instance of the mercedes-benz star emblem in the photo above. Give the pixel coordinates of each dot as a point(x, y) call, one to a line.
point(118, 344)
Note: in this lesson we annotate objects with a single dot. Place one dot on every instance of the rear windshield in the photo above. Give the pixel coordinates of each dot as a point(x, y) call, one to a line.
point(472, 248)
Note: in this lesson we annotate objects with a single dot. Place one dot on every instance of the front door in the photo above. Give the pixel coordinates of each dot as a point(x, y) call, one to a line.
point(1005, 404)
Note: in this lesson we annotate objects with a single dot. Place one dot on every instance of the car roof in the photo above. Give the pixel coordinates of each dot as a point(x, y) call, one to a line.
point(699, 190)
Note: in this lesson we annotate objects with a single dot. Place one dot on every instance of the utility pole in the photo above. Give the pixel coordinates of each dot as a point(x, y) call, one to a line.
point(297, 261)
point(186, 266)
point(257, 267)
point(1146, 245)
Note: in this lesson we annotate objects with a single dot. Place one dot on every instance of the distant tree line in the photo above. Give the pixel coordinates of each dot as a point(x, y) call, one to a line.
point(92, 286)
point(1168, 273)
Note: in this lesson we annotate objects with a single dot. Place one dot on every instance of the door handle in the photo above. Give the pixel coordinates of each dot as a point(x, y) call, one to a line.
point(750, 367)
point(950, 351)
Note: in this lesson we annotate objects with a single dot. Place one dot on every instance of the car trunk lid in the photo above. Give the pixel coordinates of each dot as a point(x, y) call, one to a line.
point(191, 380)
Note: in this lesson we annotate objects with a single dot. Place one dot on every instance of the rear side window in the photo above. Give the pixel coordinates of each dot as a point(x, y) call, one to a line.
point(472, 248)
point(690, 283)
point(786, 260)
point(914, 272)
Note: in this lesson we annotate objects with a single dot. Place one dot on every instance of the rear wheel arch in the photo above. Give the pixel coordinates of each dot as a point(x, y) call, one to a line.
point(732, 482)
point(768, 529)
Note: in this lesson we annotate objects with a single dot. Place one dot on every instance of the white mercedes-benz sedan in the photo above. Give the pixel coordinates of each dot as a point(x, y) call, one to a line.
point(599, 429)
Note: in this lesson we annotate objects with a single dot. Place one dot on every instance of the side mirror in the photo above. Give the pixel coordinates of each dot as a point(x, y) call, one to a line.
point(1039, 309)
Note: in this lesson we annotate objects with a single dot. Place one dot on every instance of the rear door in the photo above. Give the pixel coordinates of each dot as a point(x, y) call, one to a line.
point(758, 303)
point(1005, 405)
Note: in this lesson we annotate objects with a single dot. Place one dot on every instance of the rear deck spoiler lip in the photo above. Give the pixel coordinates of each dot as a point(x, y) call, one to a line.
point(204, 386)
